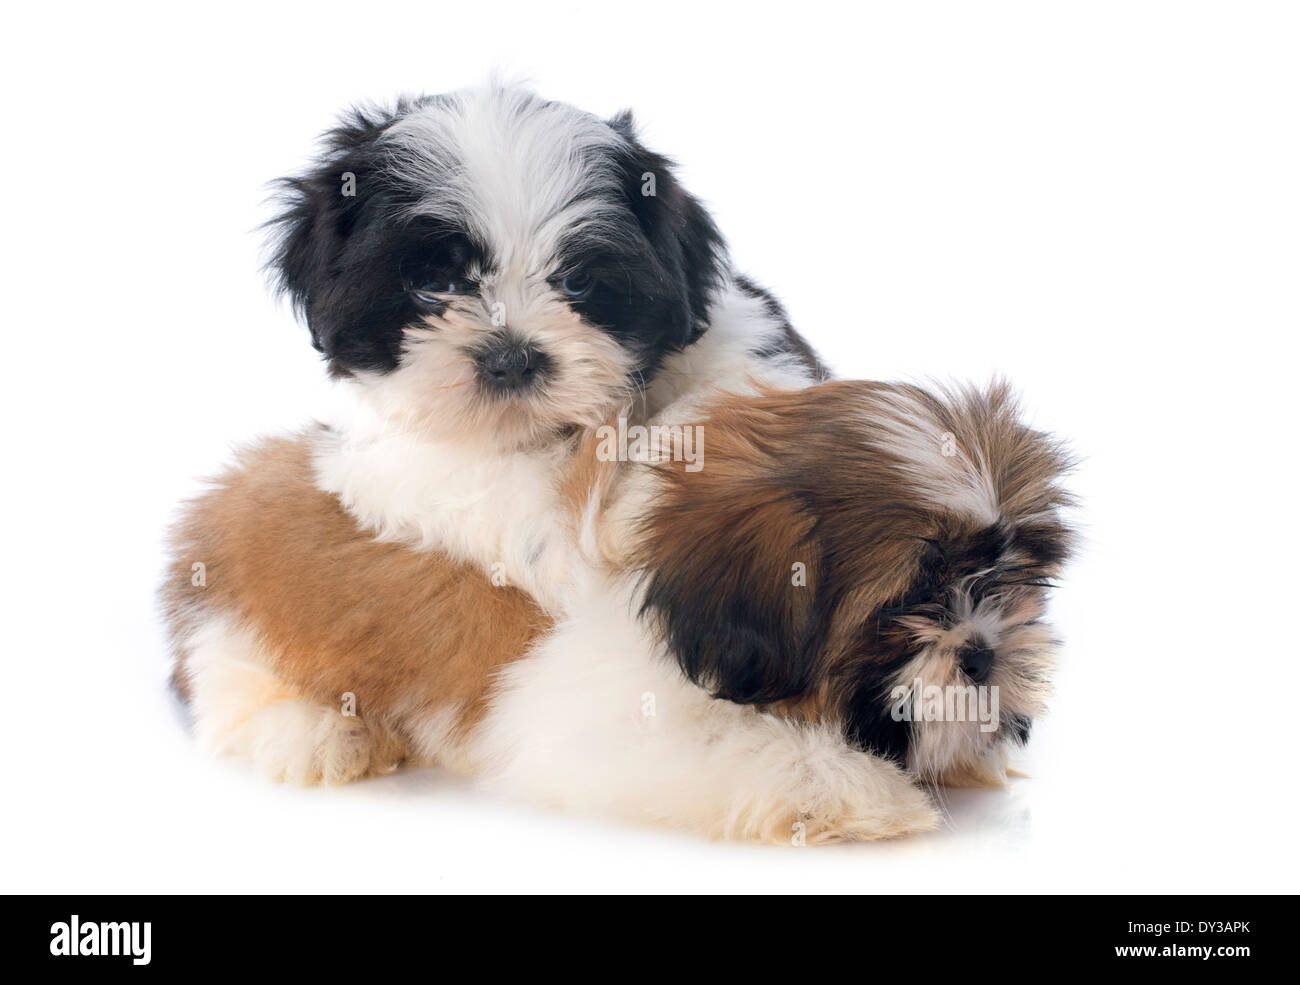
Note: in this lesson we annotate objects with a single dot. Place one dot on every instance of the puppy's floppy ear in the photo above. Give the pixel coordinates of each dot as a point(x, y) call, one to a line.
point(689, 247)
point(318, 214)
point(731, 578)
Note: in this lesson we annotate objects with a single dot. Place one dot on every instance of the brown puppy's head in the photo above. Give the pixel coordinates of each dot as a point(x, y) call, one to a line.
point(869, 554)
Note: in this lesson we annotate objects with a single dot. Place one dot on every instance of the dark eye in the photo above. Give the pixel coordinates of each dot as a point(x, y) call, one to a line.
point(435, 291)
point(577, 284)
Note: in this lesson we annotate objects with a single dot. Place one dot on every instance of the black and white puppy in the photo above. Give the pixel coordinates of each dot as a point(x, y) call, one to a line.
point(486, 273)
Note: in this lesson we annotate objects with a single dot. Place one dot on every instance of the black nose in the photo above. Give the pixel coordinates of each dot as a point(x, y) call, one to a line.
point(509, 365)
point(976, 662)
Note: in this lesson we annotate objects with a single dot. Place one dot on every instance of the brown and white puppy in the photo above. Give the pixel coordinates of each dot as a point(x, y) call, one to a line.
point(739, 656)
point(873, 555)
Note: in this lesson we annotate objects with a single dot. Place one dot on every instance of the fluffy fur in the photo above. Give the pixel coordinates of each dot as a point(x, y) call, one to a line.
point(685, 679)
point(447, 573)
point(433, 237)
point(487, 273)
point(854, 538)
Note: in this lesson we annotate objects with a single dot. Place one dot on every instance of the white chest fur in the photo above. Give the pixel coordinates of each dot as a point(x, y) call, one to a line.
point(496, 510)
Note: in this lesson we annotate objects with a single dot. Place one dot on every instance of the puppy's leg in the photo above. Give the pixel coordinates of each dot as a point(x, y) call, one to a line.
point(597, 718)
point(776, 780)
point(735, 772)
point(987, 768)
point(242, 708)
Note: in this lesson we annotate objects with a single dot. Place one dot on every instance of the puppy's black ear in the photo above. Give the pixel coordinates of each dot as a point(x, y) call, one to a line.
point(690, 250)
point(319, 213)
point(732, 584)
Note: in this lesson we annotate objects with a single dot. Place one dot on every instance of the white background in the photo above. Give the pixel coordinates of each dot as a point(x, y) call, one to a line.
point(1099, 200)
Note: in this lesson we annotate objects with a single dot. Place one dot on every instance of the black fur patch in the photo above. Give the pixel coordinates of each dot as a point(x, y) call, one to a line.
point(339, 256)
point(754, 638)
point(868, 715)
point(683, 236)
point(349, 262)
point(790, 342)
point(1020, 726)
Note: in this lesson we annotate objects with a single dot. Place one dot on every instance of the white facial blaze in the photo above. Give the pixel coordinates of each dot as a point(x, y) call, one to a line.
point(517, 171)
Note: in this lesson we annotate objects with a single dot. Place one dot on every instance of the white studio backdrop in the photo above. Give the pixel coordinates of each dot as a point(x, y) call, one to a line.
point(1098, 201)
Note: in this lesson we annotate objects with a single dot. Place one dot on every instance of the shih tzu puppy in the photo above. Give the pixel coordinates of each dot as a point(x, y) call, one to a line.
point(746, 650)
point(870, 555)
point(486, 273)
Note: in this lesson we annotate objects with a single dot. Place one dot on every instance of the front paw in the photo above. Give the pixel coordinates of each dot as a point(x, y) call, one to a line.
point(906, 810)
point(831, 793)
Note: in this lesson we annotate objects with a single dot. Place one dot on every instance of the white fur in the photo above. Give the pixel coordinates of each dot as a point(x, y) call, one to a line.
point(599, 719)
point(939, 467)
point(498, 507)
point(242, 709)
point(524, 202)
point(498, 510)
point(724, 358)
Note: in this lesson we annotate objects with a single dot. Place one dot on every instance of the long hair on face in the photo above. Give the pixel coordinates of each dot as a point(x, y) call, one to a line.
point(488, 266)
point(847, 544)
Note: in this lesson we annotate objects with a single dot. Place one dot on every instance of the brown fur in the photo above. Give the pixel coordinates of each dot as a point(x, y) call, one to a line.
point(587, 480)
point(809, 477)
point(715, 528)
point(817, 476)
point(408, 633)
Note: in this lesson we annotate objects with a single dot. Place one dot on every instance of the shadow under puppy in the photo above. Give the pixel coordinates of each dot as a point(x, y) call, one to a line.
point(730, 659)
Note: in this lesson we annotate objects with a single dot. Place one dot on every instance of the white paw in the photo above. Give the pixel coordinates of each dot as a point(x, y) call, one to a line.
point(835, 793)
point(303, 743)
point(903, 811)
point(242, 709)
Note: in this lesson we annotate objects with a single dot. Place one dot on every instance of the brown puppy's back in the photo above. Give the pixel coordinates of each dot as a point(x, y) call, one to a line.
point(409, 633)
